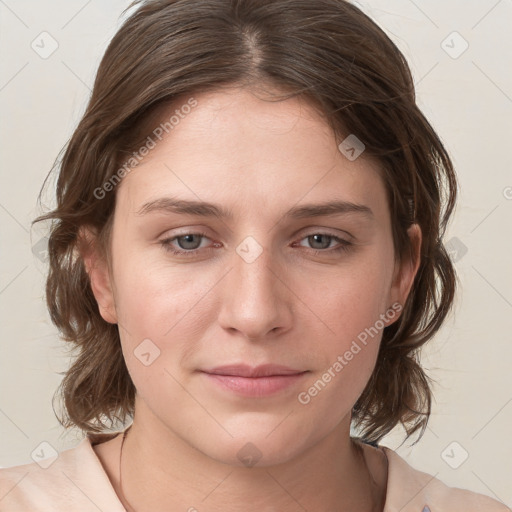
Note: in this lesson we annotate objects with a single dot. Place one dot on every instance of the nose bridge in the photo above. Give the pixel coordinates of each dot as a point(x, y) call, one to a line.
point(253, 265)
point(254, 271)
point(254, 301)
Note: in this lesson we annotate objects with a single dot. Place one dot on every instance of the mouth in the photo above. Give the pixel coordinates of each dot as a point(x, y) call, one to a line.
point(257, 381)
point(243, 370)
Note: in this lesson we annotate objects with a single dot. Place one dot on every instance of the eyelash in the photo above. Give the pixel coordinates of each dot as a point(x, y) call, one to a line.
point(166, 244)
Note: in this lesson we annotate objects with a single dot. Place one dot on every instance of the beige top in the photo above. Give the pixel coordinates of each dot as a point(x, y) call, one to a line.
point(76, 481)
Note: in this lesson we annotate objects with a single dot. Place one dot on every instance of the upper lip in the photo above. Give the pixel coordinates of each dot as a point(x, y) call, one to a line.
point(243, 370)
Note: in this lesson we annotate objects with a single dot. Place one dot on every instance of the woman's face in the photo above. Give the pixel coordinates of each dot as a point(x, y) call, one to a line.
point(280, 279)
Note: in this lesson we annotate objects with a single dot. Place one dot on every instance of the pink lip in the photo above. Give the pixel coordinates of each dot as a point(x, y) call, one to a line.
point(256, 382)
point(244, 370)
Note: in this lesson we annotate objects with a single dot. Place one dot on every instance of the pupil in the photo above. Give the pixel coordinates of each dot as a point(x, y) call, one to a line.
point(315, 237)
point(188, 240)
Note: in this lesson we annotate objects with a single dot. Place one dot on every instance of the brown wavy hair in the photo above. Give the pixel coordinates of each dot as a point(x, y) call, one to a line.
point(327, 51)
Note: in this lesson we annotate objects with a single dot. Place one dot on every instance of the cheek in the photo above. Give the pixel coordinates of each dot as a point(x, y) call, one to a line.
point(163, 314)
point(352, 299)
point(349, 305)
point(151, 296)
point(158, 311)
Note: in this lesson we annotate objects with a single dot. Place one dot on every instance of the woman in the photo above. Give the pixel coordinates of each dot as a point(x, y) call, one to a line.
point(254, 131)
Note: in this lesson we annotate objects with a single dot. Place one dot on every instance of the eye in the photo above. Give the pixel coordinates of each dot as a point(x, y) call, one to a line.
point(324, 241)
point(188, 247)
point(186, 244)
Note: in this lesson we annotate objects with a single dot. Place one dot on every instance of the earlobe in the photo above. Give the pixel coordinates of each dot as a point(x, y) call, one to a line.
point(411, 265)
point(405, 274)
point(98, 272)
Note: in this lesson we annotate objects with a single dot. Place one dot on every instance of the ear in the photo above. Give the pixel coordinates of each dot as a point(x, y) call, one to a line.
point(98, 272)
point(404, 274)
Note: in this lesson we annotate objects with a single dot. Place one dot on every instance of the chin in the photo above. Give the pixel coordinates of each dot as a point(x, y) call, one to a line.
point(257, 447)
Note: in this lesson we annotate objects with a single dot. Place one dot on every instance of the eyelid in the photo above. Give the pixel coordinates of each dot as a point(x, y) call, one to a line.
point(305, 232)
point(318, 230)
point(342, 244)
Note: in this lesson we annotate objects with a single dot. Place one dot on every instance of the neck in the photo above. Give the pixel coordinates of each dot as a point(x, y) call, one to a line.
point(332, 475)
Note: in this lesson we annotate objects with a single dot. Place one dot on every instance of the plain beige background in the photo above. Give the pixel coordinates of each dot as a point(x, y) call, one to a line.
point(460, 53)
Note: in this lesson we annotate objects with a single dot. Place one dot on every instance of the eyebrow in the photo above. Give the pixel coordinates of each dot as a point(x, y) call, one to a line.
point(205, 209)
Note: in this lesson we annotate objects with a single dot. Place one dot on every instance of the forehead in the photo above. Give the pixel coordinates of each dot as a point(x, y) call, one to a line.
point(234, 144)
point(228, 110)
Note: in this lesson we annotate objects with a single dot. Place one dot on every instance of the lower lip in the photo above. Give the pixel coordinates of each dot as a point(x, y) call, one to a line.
point(256, 386)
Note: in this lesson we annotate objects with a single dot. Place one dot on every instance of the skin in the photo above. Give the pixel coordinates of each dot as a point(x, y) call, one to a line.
point(289, 306)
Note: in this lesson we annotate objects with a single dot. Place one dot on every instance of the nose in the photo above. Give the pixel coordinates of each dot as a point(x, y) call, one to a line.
point(256, 301)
